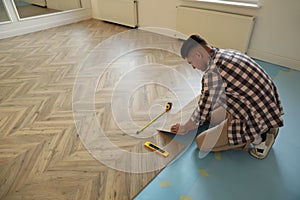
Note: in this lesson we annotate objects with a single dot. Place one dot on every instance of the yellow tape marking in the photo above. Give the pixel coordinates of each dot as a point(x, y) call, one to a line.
point(289, 72)
point(184, 197)
point(164, 184)
point(203, 172)
point(218, 156)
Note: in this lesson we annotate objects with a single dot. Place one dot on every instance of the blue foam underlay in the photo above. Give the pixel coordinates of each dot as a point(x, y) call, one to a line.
point(231, 175)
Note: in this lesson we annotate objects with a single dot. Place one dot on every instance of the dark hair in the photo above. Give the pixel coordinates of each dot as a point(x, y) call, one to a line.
point(191, 43)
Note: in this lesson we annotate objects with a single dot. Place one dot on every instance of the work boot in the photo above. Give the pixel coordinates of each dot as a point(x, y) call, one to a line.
point(262, 149)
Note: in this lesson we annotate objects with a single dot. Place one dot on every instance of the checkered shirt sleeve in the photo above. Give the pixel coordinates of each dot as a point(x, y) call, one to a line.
point(212, 90)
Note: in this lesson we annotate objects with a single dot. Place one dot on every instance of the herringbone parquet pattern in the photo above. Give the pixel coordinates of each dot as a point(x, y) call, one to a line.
point(41, 154)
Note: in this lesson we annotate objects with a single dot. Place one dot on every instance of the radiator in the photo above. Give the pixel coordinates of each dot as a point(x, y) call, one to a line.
point(119, 11)
point(222, 30)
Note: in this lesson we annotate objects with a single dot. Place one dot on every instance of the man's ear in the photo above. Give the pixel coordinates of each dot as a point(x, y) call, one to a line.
point(198, 53)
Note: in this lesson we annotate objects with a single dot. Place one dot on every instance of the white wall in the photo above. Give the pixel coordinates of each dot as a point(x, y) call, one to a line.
point(276, 37)
point(276, 31)
point(27, 25)
point(63, 4)
point(158, 13)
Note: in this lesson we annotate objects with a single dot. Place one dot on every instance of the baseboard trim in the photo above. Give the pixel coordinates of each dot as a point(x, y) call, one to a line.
point(30, 25)
point(165, 31)
point(274, 59)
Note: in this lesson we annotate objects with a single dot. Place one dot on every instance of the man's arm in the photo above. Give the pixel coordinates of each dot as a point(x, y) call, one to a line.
point(211, 91)
point(182, 129)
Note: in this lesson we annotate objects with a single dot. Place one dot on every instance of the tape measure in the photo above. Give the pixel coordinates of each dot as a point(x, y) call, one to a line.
point(167, 109)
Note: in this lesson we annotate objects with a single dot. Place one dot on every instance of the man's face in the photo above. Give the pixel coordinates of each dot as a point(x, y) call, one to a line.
point(198, 58)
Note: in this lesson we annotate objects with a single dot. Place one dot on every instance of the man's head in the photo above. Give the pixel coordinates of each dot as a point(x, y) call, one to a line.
point(193, 49)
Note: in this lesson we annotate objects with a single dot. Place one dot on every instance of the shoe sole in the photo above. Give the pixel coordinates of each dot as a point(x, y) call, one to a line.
point(276, 133)
point(252, 151)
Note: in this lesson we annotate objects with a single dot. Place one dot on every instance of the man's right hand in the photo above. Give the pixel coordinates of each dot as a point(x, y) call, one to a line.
point(179, 129)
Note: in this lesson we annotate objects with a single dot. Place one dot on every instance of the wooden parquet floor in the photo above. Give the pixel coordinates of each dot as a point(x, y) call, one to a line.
point(41, 153)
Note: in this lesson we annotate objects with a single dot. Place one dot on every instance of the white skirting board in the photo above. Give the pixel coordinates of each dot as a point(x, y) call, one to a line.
point(275, 59)
point(223, 30)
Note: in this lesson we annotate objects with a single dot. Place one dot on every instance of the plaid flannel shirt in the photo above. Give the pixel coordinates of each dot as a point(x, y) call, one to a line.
point(234, 81)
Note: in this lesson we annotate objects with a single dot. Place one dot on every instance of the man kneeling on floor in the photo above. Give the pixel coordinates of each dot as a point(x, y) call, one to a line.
point(238, 100)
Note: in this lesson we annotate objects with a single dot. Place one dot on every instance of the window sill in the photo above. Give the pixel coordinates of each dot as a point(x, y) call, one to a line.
point(227, 3)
